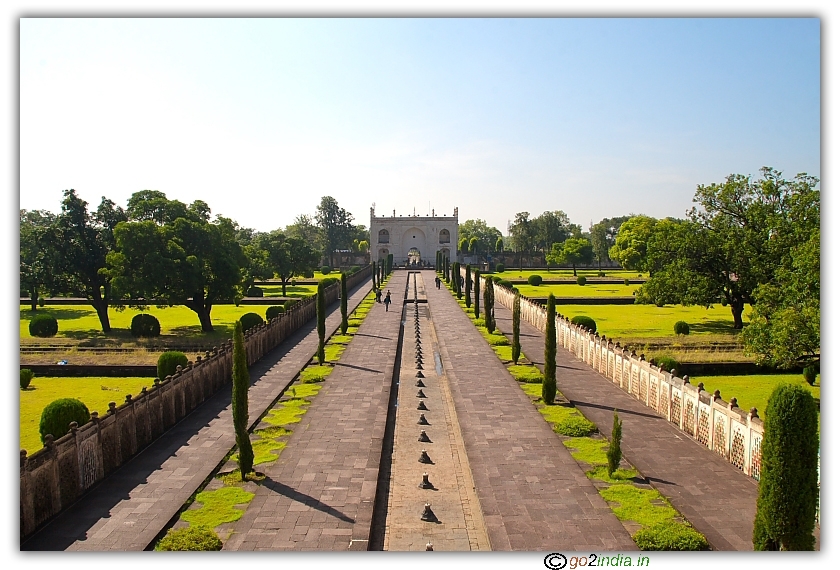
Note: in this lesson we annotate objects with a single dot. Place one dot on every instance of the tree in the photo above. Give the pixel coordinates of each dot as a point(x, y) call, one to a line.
point(321, 314)
point(39, 255)
point(305, 229)
point(630, 247)
point(344, 323)
point(456, 277)
point(573, 251)
point(788, 490)
point(549, 385)
point(489, 300)
point(464, 245)
point(83, 241)
point(257, 266)
point(516, 348)
point(603, 236)
point(364, 246)
point(523, 235)
point(239, 402)
point(288, 256)
point(474, 245)
point(468, 286)
point(186, 261)
point(553, 227)
point(500, 244)
point(336, 225)
point(477, 291)
point(485, 236)
point(614, 451)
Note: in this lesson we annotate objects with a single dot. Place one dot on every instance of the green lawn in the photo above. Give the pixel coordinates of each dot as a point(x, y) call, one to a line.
point(95, 392)
point(301, 291)
point(754, 390)
point(591, 289)
point(515, 273)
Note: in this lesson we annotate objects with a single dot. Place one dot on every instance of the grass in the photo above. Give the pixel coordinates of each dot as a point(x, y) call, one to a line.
point(287, 412)
point(218, 507)
point(315, 373)
point(514, 273)
point(526, 373)
point(332, 352)
point(588, 450)
point(592, 289)
point(752, 390)
point(567, 420)
point(95, 392)
point(637, 505)
point(298, 291)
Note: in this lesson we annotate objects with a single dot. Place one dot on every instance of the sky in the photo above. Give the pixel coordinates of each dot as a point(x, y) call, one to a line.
point(260, 118)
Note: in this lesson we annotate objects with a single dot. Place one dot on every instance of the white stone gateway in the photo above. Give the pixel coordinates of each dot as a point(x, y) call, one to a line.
point(414, 240)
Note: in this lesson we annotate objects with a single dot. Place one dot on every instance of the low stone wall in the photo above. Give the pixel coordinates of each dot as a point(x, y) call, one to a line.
point(720, 426)
point(63, 470)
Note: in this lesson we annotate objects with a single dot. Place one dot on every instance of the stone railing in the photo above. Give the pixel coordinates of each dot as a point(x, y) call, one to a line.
point(720, 426)
point(55, 476)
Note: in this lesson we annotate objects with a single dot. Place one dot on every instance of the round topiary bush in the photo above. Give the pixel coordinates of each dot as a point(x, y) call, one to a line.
point(681, 327)
point(505, 283)
point(500, 268)
point(191, 538)
point(250, 320)
point(586, 322)
point(145, 325)
point(290, 303)
point(43, 326)
point(810, 373)
point(534, 280)
point(56, 417)
point(41, 302)
point(26, 376)
point(601, 274)
point(354, 269)
point(667, 363)
point(255, 292)
point(581, 280)
point(168, 363)
point(273, 311)
point(627, 282)
point(326, 269)
point(670, 535)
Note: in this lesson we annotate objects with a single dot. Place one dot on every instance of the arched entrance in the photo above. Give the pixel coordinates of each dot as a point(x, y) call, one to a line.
point(414, 257)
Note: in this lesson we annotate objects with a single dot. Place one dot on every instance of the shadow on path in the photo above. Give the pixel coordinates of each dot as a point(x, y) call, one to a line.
point(304, 499)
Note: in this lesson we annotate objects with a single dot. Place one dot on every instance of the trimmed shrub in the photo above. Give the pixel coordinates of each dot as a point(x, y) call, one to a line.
point(169, 361)
point(327, 281)
point(290, 303)
point(41, 302)
point(477, 292)
point(681, 327)
point(274, 310)
point(534, 280)
point(26, 376)
point(614, 451)
point(505, 283)
point(586, 322)
point(343, 303)
point(56, 417)
point(627, 282)
point(670, 535)
point(810, 373)
point(581, 280)
point(321, 315)
point(516, 348)
point(788, 490)
point(500, 268)
point(191, 538)
point(43, 326)
point(325, 269)
point(489, 300)
point(145, 325)
point(239, 401)
point(549, 386)
point(468, 287)
point(254, 292)
point(667, 363)
point(250, 320)
point(354, 269)
point(601, 274)
point(575, 426)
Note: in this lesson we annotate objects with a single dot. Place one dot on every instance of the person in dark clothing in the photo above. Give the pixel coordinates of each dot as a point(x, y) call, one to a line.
point(378, 295)
point(437, 282)
point(387, 300)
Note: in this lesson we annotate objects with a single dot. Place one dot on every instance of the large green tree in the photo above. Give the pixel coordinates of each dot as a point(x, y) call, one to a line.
point(630, 248)
point(523, 234)
point(39, 257)
point(187, 261)
point(336, 225)
point(574, 251)
point(286, 257)
point(83, 240)
point(485, 236)
point(603, 236)
point(553, 227)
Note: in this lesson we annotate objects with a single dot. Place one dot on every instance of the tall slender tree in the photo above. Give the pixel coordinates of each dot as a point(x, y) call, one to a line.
point(614, 451)
point(549, 386)
point(468, 286)
point(239, 402)
point(373, 273)
point(477, 285)
point(516, 348)
point(456, 276)
point(344, 323)
point(321, 312)
point(489, 299)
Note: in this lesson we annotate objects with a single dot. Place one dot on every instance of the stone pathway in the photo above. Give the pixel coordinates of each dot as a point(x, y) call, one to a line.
point(131, 507)
point(712, 494)
point(319, 495)
point(533, 494)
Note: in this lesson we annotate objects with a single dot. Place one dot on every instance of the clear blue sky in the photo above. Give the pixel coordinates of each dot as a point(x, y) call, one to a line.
point(260, 118)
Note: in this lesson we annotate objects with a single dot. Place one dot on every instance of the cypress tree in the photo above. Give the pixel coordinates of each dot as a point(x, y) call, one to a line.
point(468, 286)
point(549, 386)
point(456, 276)
point(614, 451)
point(239, 401)
point(489, 321)
point(788, 491)
point(373, 272)
point(390, 264)
point(437, 261)
point(344, 324)
point(446, 269)
point(320, 310)
point(477, 291)
point(516, 348)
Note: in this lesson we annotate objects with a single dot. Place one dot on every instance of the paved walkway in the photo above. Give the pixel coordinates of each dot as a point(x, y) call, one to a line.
point(319, 495)
point(533, 494)
point(132, 506)
point(712, 494)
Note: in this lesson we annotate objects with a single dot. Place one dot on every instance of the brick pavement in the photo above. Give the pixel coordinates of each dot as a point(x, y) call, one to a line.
point(319, 495)
point(533, 494)
point(712, 494)
point(132, 506)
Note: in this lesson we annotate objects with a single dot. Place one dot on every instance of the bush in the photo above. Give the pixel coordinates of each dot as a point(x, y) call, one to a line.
point(41, 302)
point(254, 292)
point(56, 417)
point(666, 363)
point(575, 426)
point(505, 283)
point(534, 280)
point(681, 327)
point(26, 376)
point(325, 269)
point(273, 311)
point(601, 274)
point(329, 281)
point(250, 320)
point(190, 538)
point(670, 535)
point(810, 373)
point(581, 280)
point(586, 322)
point(495, 278)
point(627, 282)
point(354, 269)
point(43, 326)
point(145, 325)
point(500, 268)
point(290, 303)
point(168, 362)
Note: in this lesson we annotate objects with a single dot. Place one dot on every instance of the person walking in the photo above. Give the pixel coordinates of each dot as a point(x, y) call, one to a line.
point(437, 282)
point(378, 294)
point(387, 300)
